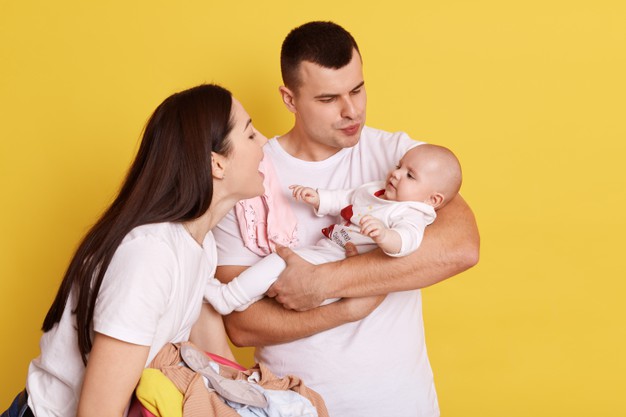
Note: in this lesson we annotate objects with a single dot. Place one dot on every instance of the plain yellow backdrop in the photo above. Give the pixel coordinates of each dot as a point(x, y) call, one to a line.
point(531, 95)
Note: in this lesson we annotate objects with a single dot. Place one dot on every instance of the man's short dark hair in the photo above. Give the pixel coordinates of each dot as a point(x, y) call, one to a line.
point(323, 43)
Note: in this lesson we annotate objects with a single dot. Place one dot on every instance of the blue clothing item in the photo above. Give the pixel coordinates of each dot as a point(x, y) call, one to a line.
point(280, 404)
point(19, 407)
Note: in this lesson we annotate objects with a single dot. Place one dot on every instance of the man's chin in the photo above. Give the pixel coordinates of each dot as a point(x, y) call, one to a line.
point(349, 142)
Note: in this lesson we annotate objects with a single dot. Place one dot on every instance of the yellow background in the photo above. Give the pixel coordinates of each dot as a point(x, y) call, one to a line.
point(530, 94)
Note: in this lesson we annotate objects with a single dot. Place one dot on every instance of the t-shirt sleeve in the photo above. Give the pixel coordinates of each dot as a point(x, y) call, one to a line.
point(404, 144)
point(386, 149)
point(136, 290)
point(230, 247)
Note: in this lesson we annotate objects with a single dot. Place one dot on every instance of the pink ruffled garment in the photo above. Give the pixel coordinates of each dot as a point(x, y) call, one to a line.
point(267, 220)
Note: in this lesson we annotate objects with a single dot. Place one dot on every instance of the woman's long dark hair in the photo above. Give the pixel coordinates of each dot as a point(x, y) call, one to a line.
point(170, 180)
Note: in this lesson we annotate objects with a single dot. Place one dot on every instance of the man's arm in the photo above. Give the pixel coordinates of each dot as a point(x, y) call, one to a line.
point(450, 246)
point(267, 322)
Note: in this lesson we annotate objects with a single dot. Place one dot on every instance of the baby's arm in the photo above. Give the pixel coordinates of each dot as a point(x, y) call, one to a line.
point(387, 239)
point(306, 194)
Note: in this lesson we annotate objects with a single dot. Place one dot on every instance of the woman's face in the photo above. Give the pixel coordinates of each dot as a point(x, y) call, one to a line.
point(242, 176)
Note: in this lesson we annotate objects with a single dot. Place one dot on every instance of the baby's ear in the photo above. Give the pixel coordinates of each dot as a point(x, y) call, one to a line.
point(436, 200)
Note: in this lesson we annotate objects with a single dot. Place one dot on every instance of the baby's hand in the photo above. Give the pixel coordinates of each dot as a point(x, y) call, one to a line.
point(372, 227)
point(306, 194)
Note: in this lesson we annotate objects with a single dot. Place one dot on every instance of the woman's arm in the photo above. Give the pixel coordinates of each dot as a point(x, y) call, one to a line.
point(209, 334)
point(450, 246)
point(113, 371)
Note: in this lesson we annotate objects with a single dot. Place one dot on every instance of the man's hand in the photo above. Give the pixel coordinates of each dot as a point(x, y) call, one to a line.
point(298, 286)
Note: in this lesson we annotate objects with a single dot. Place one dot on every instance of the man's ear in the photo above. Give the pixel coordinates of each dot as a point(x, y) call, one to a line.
point(218, 165)
point(436, 200)
point(288, 98)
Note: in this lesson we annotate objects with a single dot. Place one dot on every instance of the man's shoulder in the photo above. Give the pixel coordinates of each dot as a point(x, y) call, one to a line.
point(377, 140)
point(373, 135)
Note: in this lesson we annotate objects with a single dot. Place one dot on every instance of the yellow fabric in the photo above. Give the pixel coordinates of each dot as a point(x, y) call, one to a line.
point(159, 395)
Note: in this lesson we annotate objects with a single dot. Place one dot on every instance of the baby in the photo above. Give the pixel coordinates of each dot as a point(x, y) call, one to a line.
point(391, 215)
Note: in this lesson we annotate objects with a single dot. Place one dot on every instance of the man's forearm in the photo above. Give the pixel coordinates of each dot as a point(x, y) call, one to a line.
point(267, 322)
point(450, 246)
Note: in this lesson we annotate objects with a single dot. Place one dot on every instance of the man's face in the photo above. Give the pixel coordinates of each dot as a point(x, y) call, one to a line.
point(330, 104)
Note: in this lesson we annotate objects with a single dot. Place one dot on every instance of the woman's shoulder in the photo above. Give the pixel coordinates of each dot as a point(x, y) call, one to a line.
point(159, 231)
point(155, 237)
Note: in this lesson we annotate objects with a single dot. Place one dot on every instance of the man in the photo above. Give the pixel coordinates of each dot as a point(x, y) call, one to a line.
point(365, 354)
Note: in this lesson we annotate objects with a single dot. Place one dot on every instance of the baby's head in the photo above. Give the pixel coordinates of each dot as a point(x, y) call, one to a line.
point(426, 173)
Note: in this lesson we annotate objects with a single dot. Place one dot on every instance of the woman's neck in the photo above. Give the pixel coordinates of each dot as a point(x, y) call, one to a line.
point(200, 227)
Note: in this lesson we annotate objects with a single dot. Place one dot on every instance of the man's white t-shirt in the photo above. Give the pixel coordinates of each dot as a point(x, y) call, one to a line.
point(371, 368)
point(151, 295)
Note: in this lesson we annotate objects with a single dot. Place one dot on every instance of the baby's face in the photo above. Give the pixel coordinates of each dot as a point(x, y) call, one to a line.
point(409, 181)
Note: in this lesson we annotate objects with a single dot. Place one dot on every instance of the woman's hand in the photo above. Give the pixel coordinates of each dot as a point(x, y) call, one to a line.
point(113, 371)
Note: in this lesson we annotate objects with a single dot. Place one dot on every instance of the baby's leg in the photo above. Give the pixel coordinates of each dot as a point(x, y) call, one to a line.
point(253, 283)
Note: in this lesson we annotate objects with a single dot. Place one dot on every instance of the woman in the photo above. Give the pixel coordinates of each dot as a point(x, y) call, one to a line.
point(135, 282)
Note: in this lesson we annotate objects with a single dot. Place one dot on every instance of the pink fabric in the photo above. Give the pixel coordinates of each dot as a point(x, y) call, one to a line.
point(267, 220)
point(138, 410)
point(224, 361)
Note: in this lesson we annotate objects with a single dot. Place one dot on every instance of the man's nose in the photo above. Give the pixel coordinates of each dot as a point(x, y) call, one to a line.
point(348, 109)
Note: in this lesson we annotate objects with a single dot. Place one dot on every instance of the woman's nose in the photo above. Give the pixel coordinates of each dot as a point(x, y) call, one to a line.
point(262, 138)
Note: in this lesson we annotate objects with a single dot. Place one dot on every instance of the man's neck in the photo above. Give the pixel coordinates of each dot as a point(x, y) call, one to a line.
point(304, 148)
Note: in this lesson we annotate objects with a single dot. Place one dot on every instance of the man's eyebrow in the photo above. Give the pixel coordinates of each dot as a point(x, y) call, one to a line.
point(361, 84)
point(328, 95)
